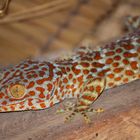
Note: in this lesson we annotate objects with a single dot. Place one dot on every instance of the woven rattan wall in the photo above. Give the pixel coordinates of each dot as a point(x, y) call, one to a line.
point(36, 27)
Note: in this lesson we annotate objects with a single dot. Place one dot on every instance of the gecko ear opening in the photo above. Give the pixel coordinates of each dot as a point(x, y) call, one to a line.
point(17, 91)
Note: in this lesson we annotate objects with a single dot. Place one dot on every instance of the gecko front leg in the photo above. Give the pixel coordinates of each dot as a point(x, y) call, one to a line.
point(90, 92)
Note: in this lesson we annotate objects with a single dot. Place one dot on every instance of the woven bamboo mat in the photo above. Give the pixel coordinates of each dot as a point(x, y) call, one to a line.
point(37, 27)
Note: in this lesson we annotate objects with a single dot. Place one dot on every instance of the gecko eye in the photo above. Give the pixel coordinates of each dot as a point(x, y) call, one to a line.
point(17, 91)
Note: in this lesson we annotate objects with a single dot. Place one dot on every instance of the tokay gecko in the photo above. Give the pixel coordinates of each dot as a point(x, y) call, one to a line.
point(35, 85)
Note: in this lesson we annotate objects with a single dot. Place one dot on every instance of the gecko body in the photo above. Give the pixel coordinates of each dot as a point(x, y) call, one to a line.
point(34, 85)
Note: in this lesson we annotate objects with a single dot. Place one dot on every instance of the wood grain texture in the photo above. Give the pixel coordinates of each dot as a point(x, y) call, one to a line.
point(120, 121)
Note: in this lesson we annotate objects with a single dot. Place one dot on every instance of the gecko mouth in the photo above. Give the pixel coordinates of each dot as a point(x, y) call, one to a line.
point(27, 104)
point(13, 107)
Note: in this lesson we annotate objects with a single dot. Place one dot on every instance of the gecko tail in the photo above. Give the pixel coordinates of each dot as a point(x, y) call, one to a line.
point(132, 23)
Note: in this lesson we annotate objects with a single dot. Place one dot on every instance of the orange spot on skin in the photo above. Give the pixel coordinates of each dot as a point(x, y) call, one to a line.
point(6, 97)
point(86, 58)
point(70, 76)
point(91, 88)
point(128, 47)
point(110, 53)
point(89, 76)
point(109, 61)
point(118, 70)
point(33, 107)
point(101, 73)
point(21, 103)
point(129, 72)
point(44, 69)
point(65, 80)
point(4, 108)
point(25, 80)
point(30, 102)
point(117, 58)
point(6, 74)
point(41, 95)
point(41, 73)
point(76, 71)
point(85, 64)
point(32, 93)
point(80, 78)
point(35, 75)
point(51, 73)
point(12, 107)
point(1, 95)
point(68, 69)
point(74, 81)
point(41, 81)
point(40, 100)
point(129, 55)
point(119, 50)
point(117, 78)
point(68, 86)
point(42, 64)
point(31, 84)
point(134, 65)
point(125, 61)
point(96, 64)
point(4, 103)
point(116, 64)
point(82, 103)
point(63, 93)
point(61, 88)
point(98, 89)
point(85, 71)
point(40, 89)
point(42, 105)
point(125, 80)
point(97, 56)
point(50, 86)
point(88, 97)
point(111, 76)
point(29, 76)
point(93, 70)
point(63, 70)
point(110, 84)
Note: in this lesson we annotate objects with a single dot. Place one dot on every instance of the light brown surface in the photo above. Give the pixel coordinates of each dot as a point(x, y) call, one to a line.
point(37, 37)
point(120, 121)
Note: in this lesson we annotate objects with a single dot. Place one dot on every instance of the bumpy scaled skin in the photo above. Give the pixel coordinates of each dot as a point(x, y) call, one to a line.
point(34, 85)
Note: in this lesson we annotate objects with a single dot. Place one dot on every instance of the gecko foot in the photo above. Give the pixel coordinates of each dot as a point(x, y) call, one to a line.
point(84, 114)
point(98, 110)
point(70, 107)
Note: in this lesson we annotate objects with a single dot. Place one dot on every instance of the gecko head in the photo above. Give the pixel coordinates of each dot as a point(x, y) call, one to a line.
point(17, 91)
